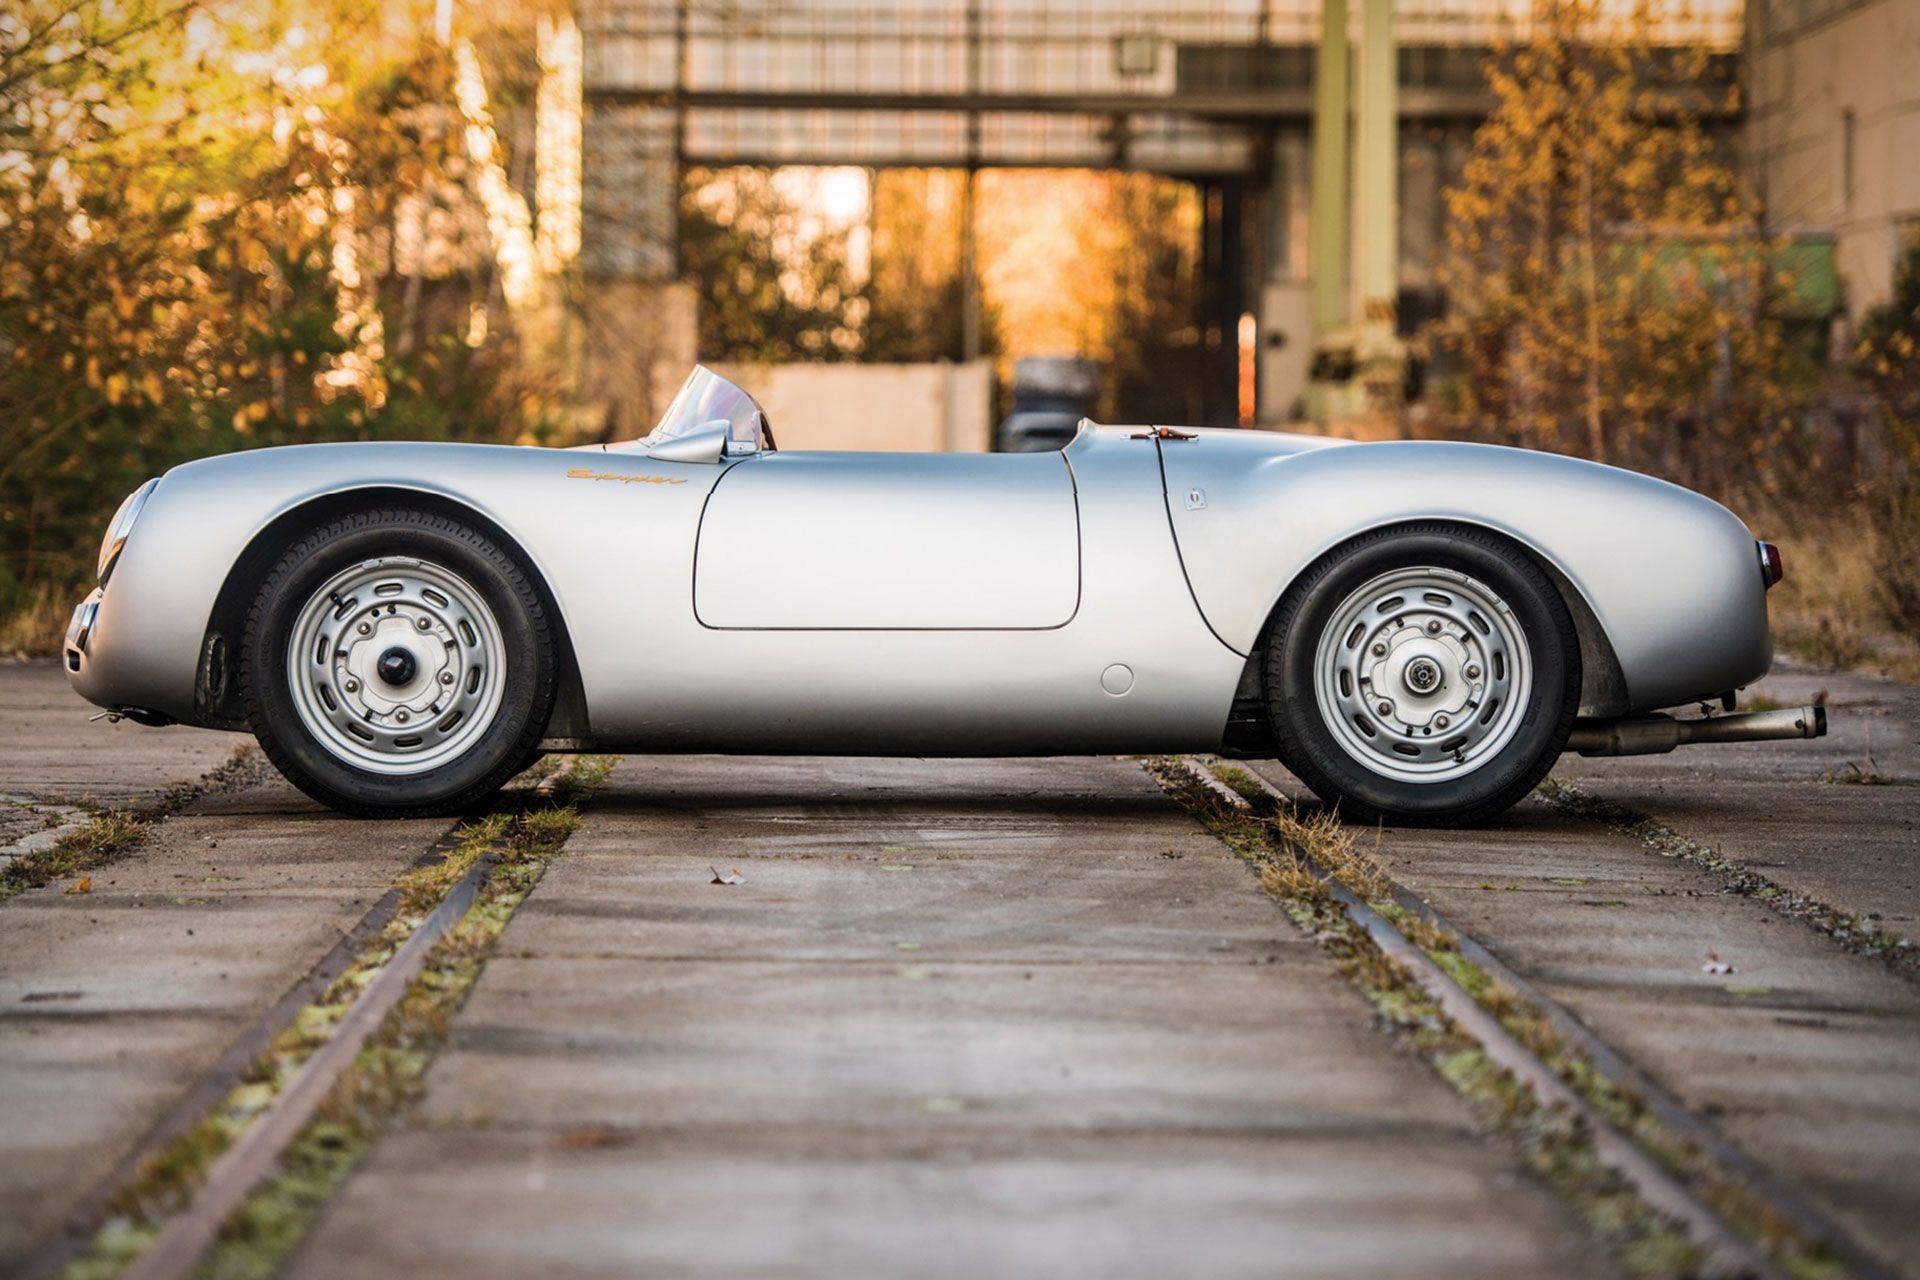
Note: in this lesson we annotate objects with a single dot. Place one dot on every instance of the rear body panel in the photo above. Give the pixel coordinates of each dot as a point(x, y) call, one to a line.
point(1672, 577)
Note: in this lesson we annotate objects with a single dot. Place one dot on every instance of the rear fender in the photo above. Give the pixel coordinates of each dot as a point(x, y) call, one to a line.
point(1663, 583)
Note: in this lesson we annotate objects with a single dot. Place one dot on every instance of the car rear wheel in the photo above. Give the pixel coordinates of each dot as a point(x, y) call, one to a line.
point(1424, 674)
point(398, 663)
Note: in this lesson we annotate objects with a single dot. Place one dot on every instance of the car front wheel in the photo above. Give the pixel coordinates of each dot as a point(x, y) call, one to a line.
point(1424, 674)
point(398, 663)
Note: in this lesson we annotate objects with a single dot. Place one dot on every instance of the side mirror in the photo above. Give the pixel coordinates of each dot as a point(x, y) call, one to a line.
point(705, 443)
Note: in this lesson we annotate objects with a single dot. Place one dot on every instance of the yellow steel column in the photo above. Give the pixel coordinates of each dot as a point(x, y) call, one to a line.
point(1376, 212)
point(1327, 208)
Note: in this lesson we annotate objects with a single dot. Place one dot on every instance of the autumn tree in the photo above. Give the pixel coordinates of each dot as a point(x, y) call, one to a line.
point(915, 292)
point(1609, 289)
point(778, 282)
point(213, 220)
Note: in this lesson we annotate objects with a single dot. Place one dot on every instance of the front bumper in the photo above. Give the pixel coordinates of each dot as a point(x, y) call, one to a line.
point(80, 630)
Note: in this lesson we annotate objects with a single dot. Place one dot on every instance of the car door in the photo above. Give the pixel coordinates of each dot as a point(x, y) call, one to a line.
point(890, 542)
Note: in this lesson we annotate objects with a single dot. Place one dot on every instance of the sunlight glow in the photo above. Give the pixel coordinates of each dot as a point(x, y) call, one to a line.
point(843, 196)
point(558, 123)
point(508, 220)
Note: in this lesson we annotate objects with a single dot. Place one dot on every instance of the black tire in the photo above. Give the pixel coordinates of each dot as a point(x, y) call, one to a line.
point(1306, 742)
point(510, 741)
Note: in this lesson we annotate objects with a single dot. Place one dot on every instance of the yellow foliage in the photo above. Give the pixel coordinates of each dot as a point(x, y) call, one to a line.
point(1608, 284)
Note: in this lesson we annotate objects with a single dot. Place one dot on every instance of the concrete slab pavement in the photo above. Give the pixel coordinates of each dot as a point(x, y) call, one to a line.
point(114, 1003)
point(1771, 807)
point(961, 1018)
point(1804, 1055)
point(50, 750)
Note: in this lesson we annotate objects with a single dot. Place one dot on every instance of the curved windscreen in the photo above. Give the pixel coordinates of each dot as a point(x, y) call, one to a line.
point(705, 398)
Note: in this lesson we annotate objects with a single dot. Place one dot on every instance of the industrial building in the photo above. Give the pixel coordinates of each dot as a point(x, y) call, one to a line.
point(1320, 136)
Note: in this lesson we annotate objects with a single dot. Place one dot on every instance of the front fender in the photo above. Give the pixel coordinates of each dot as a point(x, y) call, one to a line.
point(1671, 577)
point(154, 615)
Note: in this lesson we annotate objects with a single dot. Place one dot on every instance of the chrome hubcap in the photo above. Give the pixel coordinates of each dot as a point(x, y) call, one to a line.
point(396, 665)
point(1423, 674)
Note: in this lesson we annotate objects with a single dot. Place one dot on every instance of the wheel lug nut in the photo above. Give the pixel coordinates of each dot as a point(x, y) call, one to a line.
point(1441, 722)
point(401, 715)
point(365, 628)
point(1473, 671)
point(1386, 708)
point(352, 686)
point(425, 624)
point(446, 677)
point(1379, 650)
point(1433, 627)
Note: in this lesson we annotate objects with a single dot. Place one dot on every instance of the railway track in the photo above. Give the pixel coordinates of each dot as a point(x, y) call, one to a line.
point(1688, 1189)
point(360, 982)
point(1728, 1202)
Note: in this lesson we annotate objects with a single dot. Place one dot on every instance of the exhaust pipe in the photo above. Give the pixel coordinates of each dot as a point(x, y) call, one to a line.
point(1657, 734)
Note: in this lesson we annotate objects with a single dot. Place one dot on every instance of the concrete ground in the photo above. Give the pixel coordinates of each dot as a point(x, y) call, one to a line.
point(114, 1002)
point(1837, 817)
point(1807, 1055)
point(53, 753)
point(981, 1018)
point(962, 1018)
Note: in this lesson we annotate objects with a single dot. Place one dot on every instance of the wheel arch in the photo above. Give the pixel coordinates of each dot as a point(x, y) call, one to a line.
point(215, 691)
point(1603, 686)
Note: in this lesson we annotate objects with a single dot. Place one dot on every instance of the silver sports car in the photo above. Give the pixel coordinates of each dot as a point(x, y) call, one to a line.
point(1416, 629)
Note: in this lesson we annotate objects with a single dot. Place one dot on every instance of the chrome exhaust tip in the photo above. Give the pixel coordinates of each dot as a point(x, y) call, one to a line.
point(1658, 734)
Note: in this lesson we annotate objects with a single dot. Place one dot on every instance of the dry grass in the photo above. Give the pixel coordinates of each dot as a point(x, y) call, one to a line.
point(1850, 582)
point(38, 625)
point(522, 839)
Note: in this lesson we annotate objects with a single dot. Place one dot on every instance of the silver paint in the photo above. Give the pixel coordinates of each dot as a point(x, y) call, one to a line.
point(941, 604)
point(1391, 674)
point(1669, 575)
point(444, 627)
point(939, 541)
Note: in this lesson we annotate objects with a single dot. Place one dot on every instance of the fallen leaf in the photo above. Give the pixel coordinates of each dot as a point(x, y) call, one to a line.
point(732, 877)
point(896, 866)
point(587, 1139)
point(83, 885)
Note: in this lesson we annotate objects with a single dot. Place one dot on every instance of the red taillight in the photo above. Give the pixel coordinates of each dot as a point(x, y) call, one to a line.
point(1772, 568)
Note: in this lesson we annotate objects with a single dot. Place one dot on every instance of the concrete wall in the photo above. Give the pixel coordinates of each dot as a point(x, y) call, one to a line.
point(912, 408)
point(1818, 71)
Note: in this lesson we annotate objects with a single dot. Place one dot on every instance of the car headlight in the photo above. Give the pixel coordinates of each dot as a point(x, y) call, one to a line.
point(120, 526)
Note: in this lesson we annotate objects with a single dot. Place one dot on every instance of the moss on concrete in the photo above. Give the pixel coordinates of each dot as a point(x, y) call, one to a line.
point(1857, 934)
point(115, 833)
point(522, 839)
point(1273, 837)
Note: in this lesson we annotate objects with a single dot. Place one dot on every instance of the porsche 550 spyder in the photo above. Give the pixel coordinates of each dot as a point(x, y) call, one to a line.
point(1417, 629)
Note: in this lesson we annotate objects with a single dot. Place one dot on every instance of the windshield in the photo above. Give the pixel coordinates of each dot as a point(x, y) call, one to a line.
point(706, 397)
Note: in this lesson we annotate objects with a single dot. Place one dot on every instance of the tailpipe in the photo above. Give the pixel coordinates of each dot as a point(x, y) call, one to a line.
point(1657, 734)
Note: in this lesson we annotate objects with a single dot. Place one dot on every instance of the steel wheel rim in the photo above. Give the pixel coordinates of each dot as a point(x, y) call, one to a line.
point(1423, 674)
point(372, 624)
